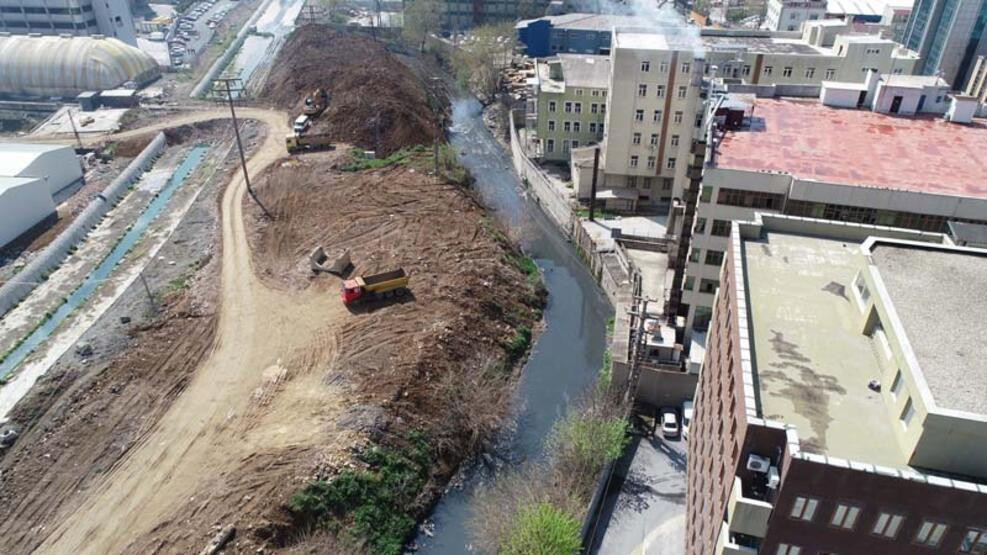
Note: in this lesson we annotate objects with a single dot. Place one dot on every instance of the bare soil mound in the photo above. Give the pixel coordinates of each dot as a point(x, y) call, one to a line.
point(375, 101)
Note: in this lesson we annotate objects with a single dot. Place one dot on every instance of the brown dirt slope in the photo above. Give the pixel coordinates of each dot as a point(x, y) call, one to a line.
point(421, 363)
point(375, 102)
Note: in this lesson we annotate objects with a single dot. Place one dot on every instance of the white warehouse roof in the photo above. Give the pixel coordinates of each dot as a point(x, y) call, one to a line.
point(65, 65)
point(24, 202)
point(56, 165)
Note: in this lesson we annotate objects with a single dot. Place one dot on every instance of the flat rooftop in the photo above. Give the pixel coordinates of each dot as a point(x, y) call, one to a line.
point(939, 297)
point(801, 305)
point(857, 147)
point(582, 70)
point(762, 45)
point(660, 38)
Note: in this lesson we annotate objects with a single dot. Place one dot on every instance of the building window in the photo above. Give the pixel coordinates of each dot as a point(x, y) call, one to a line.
point(631, 181)
point(930, 533)
point(907, 413)
point(896, 385)
point(660, 89)
point(721, 228)
point(576, 127)
point(975, 541)
point(565, 145)
point(634, 161)
point(670, 164)
point(645, 66)
point(785, 549)
point(703, 315)
point(575, 144)
point(694, 254)
point(710, 286)
point(700, 225)
point(787, 72)
point(768, 70)
point(663, 67)
point(887, 525)
point(674, 141)
point(804, 508)
point(651, 161)
point(686, 67)
point(592, 127)
point(642, 90)
point(594, 108)
point(747, 70)
point(551, 106)
point(683, 90)
point(690, 282)
point(647, 183)
point(550, 145)
point(882, 338)
point(551, 125)
point(566, 127)
point(830, 73)
point(579, 92)
point(749, 199)
point(654, 139)
point(579, 107)
point(568, 107)
point(636, 138)
point(810, 73)
point(639, 115)
point(706, 194)
point(714, 258)
point(656, 117)
point(599, 128)
point(595, 92)
point(677, 118)
point(845, 516)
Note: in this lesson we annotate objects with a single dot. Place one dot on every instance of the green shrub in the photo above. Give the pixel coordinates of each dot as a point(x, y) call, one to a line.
point(589, 440)
point(518, 344)
point(542, 529)
point(376, 503)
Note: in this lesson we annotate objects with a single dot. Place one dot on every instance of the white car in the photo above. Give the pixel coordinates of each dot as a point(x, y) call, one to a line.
point(686, 418)
point(669, 423)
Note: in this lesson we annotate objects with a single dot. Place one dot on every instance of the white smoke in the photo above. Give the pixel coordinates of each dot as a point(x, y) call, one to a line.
point(658, 17)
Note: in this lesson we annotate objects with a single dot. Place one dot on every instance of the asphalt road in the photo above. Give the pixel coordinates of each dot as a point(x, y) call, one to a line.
point(644, 513)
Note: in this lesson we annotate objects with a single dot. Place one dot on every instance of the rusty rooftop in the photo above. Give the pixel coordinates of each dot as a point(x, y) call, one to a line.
point(814, 142)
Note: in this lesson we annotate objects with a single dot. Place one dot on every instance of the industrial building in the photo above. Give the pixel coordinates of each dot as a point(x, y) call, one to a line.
point(837, 164)
point(789, 15)
point(459, 15)
point(948, 35)
point(841, 406)
point(574, 33)
point(110, 18)
point(33, 179)
point(64, 66)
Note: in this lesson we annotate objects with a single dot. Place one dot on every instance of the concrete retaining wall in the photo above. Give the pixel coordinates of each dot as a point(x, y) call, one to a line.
point(52, 256)
point(552, 202)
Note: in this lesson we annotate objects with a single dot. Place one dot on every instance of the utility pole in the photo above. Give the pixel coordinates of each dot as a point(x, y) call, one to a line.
point(75, 131)
point(231, 84)
point(150, 297)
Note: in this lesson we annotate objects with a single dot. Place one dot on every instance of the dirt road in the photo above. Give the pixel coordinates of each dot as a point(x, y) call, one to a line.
point(254, 392)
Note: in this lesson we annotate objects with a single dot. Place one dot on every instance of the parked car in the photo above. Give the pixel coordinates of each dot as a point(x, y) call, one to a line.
point(301, 124)
point(669, 423)
point(687, 411)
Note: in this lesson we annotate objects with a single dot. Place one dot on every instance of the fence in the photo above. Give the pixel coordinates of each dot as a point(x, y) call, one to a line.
point(551, 200)
point(21, 285)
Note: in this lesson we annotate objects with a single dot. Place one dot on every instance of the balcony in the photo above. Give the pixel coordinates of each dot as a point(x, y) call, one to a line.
point(727, 544)
point(747, 515)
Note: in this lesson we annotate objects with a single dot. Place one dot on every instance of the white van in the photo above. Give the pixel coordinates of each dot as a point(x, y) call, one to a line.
point(301, 124)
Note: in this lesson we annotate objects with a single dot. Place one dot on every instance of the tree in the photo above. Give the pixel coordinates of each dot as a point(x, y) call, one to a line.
point(421, 19)
point(482, 55)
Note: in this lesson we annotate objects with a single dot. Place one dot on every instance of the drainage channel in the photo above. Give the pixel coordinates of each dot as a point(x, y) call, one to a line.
point(105, 268)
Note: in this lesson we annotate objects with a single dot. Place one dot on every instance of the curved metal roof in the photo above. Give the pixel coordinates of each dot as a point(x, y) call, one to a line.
point(68, 65)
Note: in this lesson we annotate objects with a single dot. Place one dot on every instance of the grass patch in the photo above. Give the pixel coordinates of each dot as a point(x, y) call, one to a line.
point(543, 528)
point(360, 162)
point(518, 345)
point(375, 505)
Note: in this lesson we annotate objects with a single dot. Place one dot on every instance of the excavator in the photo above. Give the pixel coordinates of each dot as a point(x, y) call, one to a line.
point(316, 102)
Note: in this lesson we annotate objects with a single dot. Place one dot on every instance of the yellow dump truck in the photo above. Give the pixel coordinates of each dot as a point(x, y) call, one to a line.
point(374, 286)
point(296, 143)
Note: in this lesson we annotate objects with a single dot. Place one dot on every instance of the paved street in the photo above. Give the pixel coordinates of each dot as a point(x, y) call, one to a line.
point(646, 506)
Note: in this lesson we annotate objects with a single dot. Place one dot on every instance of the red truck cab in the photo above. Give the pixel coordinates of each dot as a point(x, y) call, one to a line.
point(351, 291)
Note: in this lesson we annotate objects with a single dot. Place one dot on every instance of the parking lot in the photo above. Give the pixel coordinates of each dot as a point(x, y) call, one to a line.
point(195, 30)
point(644, 512)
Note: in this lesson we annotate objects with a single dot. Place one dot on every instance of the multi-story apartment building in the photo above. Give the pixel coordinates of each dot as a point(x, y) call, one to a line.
point(976, 85)
point(826, 51)
point(654, 93)
point(948, 35)
point(789, 15)
point(458, 15)
point(895, 17)
point(841, 406)
point(570, 103)
point(77, 17)
point(806, 159)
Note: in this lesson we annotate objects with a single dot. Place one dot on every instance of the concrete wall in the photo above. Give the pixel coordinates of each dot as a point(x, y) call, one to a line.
point(839, 97)
point(666, 388)
point(551, 201)
point(37, 270)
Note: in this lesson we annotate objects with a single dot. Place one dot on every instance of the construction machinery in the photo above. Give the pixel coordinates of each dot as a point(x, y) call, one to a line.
point(338, 264)
point(308, 143)
point(316, 102)
point(374, 286)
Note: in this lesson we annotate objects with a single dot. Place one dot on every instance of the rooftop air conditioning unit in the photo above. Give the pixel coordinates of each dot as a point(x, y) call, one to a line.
point(758, 463)
point(774, 479)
